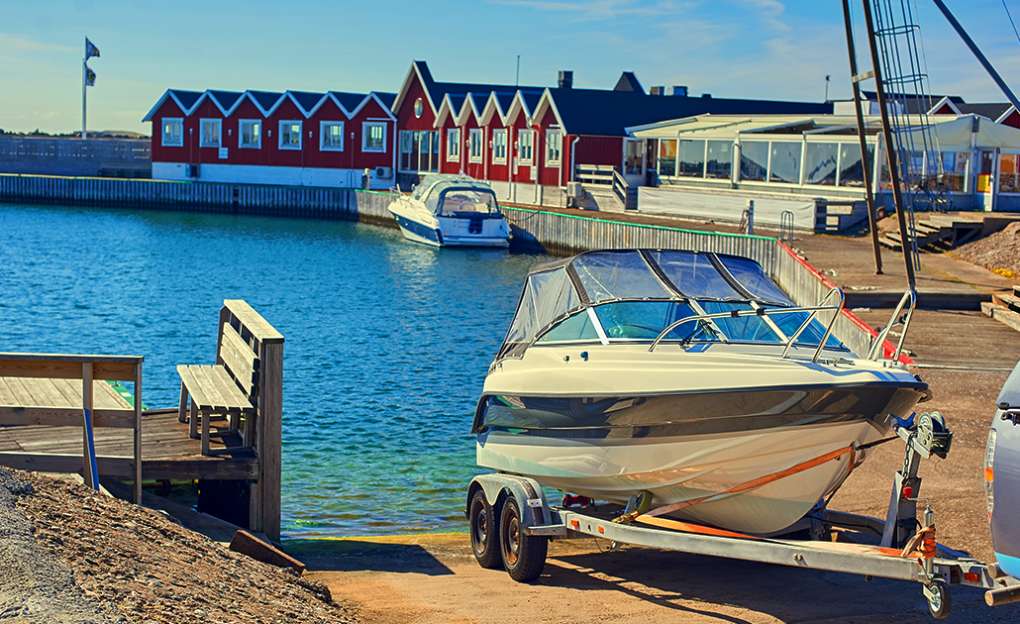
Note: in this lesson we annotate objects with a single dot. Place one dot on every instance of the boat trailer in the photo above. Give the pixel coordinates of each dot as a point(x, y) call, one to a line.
point(511, 523)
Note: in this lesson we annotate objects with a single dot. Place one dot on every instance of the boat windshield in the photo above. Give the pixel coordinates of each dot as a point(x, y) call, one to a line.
point(456, 201)
point(634, 295)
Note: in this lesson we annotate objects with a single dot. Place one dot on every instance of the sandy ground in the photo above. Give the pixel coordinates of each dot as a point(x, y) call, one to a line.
point(434, 579)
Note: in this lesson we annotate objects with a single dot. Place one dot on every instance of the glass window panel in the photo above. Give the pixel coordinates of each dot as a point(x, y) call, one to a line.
point(1009, 173)
point(623, 274)
point(720, 160)
point(667, 157)
point(643, 320)
point(954, 168)
point(373, 136)
point(453, 144)
point(820, 164)
point(784, 165)
point(173, 132)
point(692, 159)
point(210, 132)
point(740, 328)
point(553, 146)
point(576, 327)
point(812, 334)
point(754, 160)
point(632, 157)
point(693, 274)
point(754, 280)
point(851, 171)
point(434, 142)
point(406, 149)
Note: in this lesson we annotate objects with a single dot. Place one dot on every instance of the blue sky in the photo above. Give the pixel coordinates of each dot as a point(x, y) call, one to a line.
point(736, 48)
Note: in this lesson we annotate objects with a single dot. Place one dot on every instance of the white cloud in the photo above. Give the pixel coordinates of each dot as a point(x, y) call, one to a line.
point(11, 42)
point(600, 9)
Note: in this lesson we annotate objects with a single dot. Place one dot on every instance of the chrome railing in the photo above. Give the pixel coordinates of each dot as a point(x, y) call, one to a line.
point(812, 311)
point(910, 296)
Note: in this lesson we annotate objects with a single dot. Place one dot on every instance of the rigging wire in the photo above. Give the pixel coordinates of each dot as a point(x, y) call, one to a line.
point(1011, 22)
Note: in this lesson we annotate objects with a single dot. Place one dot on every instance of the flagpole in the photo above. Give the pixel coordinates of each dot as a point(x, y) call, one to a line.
point(84, 133)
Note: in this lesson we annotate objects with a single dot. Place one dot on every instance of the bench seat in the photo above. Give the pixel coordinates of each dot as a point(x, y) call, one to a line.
point(213, 390)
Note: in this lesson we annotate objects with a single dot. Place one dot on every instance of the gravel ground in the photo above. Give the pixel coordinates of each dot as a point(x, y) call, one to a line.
point(999, 252)
point(135, 563)
point(36, 586)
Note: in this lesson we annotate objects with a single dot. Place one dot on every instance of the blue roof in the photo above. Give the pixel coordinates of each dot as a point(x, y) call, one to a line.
point(349, 101)
point(307, 99)
point(186, 98)
point(266, 99)
point(226, 99)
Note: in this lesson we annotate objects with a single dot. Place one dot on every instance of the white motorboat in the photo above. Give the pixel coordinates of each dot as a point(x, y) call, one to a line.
point(688, 376)
point(451, 211)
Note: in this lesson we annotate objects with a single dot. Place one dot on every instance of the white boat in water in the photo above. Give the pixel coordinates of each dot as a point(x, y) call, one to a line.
point(688, 376)
point(451, 211)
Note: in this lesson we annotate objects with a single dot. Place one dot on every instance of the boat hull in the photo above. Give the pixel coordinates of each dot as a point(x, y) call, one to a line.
point(491, 231)
point(688, 446)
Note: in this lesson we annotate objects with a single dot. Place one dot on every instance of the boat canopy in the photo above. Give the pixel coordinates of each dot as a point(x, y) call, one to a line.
point(444, 194)
point(557, 290)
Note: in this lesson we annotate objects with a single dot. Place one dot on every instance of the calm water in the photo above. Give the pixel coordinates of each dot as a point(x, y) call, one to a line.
point(387, 342)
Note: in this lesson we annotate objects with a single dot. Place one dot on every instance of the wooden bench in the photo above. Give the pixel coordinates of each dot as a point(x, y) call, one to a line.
point(225, 390)
point(62, 390)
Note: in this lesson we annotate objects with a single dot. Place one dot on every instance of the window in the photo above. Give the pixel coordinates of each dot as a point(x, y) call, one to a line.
point(719, 160)
point(692, 159)
point(633, 157)
point(820, 164)
point(405, 150)
point(851, 170)
point(954, 171)
point(754, 161)
point(373, 136)
point(784, 163)
point(249, 133)
point(667, 157)
point(210, 132)
point(525, 146)
point(498, 145)
point(434, 160)
point(1009, 173)
point(290, 135)
point(553, 146)
point(172, 132)
point(453, 144)
point(331, 136)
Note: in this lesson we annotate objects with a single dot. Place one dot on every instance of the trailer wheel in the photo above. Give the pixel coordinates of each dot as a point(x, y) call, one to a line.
point(484, 531)
point(937, 595)
point(523, 555)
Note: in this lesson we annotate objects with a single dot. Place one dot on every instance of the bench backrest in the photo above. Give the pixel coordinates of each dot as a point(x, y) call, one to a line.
point(238, 358)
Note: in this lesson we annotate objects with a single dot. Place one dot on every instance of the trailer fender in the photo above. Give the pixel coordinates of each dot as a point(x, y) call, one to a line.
point(527, 492)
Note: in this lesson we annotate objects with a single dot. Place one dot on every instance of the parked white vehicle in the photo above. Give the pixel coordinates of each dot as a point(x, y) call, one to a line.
point(451, 211)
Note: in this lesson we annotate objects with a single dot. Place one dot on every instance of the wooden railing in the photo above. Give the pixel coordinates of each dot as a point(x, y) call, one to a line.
point(267, 343)
point(601, 175)
point(36, 389)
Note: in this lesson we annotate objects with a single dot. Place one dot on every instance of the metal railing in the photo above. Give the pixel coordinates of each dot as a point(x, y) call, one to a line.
point(812, 310)
point(909, 296)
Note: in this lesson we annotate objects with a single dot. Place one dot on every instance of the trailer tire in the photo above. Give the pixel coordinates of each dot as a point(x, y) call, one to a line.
point(523, 555)
point(939, 604)
point(484, 523)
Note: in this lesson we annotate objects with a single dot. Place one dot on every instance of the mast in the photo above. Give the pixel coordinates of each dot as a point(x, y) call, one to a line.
point(865, 161)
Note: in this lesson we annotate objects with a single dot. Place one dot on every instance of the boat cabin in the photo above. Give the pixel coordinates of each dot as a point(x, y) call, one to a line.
point(658, 295)
point(456, 196)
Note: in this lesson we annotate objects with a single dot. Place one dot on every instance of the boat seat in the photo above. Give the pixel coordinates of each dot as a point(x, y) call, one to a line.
point(225, 390)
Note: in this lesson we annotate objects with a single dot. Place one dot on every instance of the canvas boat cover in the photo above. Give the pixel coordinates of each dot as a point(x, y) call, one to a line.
point(464, 193)
point(558, 289)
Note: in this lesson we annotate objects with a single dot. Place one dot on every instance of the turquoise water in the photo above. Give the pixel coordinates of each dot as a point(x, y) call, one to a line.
point(387, 342)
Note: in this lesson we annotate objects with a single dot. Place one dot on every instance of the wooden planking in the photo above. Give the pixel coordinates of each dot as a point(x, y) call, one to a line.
point(194, 467)
point(239, 358)
point(11, 366)
point(65, 417)
point(252, 320)
point(212, 389)
point(58, 402)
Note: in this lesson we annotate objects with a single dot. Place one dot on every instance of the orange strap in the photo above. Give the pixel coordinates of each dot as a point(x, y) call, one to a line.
point(687, 527)
point(755, 483)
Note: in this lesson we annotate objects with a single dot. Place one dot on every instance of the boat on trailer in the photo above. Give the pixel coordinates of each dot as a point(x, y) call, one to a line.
point(690, 380)
point(451, 211)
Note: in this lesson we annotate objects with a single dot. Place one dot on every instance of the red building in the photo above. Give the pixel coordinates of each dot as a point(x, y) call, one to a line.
point(294, 137)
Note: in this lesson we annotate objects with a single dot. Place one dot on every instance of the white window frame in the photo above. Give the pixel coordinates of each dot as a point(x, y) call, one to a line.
point(202, 123)
point(366, 128)
point(499, 132)
point(179, 121)
point(472, 157)
point(241, 123)
point(453, 144)
point(521, 133)
point(549, 160)
point(300, 134)
point(324, 126)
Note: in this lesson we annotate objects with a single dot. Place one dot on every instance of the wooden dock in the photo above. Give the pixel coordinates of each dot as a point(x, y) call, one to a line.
point(58, 413)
